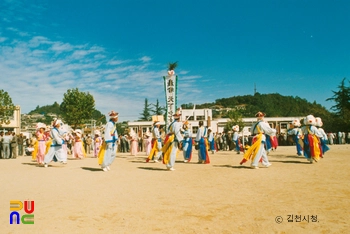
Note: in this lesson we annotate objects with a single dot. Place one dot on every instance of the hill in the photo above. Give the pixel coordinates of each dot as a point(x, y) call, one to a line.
point(55, 109)
point(274, 105)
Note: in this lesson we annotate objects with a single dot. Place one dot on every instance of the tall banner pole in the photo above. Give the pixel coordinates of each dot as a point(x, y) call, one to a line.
point(170, 86)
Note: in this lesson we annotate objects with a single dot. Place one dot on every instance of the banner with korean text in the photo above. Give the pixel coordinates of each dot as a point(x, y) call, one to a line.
point(170, 85)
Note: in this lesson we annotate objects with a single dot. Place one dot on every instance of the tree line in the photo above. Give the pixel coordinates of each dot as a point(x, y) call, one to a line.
point(277, 105)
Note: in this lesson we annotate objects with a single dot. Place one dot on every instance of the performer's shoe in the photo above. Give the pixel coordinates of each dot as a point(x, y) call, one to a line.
point(185, 161)
point(105, 169)
point(156, 161)
point(268, 165)
point(171, 169)
point(108, 168)
point(147, 160)
point(64, 162)
point(254, 167)
point(45, 165)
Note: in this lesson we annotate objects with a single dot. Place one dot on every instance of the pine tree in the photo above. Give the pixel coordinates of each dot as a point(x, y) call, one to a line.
point(146, 113)
point(158, 110)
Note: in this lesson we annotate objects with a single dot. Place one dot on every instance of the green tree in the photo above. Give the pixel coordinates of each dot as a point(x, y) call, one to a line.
point(158, 110)
point(77, 107)
point(146, 113)
point(6, 107)
point(342, 105)
point(342, 100)
point(235, 119)
point(99, 117)
point(122, 128)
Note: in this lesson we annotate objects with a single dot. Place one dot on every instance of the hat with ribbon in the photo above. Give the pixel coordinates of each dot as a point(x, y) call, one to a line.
point(113, 115)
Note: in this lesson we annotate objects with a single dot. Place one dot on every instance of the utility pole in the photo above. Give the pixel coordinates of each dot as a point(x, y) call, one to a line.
point(254, 88)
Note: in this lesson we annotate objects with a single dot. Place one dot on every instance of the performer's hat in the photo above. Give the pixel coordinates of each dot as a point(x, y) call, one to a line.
point(176, 116)
point(260, 114)
point(57, 122)
point(113, 115)
point(156, 123)
point(148, 134)
point(318, 122)
point(97, 132)
point(235, 128)
point(177, 113)
point(40, 125)
point(310, 120)
point(296, 123)
point(78, 132)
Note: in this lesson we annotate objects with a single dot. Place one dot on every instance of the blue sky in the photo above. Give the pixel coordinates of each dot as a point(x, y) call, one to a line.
point(118, 50)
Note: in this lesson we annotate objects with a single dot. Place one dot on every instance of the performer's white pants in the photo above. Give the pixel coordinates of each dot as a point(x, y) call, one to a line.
point(55, 151)
point(261, 154)
point(110, 155)
point(172, 159)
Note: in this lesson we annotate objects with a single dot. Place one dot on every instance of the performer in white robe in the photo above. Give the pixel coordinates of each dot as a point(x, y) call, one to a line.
point(172, 143)
point(211, 141)
point(109, 147)
point(202, 143)
point(324, 138)
point(156, 151)
point(187, 142)
point(235, 139)
point(55, 151)
point(295, 132)
point(257, 151)
point(312, 149)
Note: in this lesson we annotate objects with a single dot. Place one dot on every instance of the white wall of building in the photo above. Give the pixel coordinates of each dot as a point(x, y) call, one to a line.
point(15, 121)
point(217, 125)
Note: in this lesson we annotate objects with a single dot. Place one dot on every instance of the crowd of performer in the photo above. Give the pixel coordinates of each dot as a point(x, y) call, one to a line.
point(55, 142)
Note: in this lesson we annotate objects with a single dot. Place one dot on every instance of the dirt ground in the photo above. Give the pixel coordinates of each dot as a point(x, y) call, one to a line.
point(222, 197)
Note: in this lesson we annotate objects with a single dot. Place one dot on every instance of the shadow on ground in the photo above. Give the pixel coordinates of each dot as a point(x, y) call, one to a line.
point(153, 168)
point(91, 168)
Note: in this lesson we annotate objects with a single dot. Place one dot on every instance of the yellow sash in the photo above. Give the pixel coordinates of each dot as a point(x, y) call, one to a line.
point(48, 145)
point(101, 153)
point(253, 150)
point(315, 142)
point(35, 151)
point(168, 146)
point(154, 150)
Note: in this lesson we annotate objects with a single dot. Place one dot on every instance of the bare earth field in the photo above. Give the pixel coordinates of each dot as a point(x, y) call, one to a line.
point(222, 197)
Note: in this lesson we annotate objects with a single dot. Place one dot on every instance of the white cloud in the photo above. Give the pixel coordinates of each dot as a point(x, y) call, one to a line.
point(145, 59)
point(2, 39)
point(117, 62)
point(42, 77)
